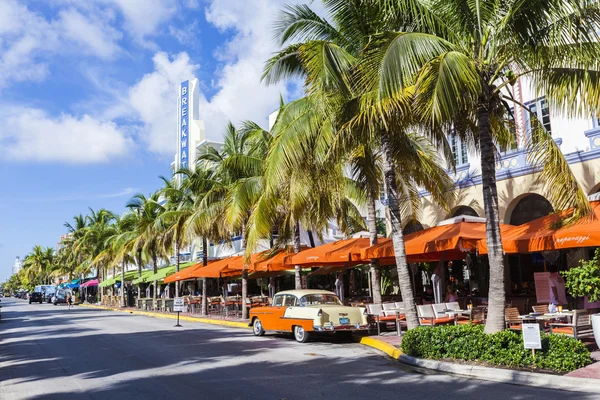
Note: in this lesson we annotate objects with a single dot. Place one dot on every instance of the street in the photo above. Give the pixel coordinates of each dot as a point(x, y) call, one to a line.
point(50, 352)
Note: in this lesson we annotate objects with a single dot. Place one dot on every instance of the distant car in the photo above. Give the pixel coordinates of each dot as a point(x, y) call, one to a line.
point(36, 297)
point(304, 312)
point(59, 297)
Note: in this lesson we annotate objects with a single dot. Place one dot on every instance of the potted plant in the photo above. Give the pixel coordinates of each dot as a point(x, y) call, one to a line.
point(585, 281)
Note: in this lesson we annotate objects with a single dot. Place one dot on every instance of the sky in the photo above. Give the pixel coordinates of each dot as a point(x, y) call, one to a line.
point(88, 96)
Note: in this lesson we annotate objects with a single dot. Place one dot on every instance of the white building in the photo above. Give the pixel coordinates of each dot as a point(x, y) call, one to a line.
point(521, 195)
point(18, 265)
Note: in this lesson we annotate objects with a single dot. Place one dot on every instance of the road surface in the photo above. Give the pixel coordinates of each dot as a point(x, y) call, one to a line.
point(50, 352)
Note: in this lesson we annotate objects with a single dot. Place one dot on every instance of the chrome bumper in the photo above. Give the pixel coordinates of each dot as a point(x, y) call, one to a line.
point(335, 328)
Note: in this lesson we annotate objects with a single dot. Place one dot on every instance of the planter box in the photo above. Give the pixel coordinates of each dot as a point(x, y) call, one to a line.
point(596, 327)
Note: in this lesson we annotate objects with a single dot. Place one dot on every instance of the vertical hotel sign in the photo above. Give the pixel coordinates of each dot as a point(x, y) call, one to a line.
point(183, 125)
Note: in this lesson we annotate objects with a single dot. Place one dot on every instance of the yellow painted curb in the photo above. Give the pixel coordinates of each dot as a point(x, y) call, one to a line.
point(380, 345)
point(232, 324)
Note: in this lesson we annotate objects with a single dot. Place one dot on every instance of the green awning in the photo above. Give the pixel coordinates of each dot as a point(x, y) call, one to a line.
point(107, 282)
point(161, 274)
point(145, 273)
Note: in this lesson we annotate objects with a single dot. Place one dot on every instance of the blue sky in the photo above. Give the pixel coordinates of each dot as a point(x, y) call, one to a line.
point(88, 95)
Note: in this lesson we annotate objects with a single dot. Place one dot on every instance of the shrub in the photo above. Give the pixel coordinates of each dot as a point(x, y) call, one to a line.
point(468, 342)
point(584, 280)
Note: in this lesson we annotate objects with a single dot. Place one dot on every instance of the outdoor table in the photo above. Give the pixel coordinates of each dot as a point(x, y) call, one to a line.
point(564, 314)
point(398, 311)
point(456, 313)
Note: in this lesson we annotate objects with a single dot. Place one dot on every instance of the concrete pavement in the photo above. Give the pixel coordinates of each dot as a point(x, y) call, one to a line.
point(49, 352)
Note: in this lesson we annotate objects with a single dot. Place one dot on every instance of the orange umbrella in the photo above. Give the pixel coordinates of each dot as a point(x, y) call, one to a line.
point(449, 241)
point(220, 268)
point(335, 253)
point(546, 233)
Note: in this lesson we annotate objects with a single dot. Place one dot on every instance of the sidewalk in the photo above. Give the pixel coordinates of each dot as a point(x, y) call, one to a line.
point(591, 371)
point(585, 377)
point(230, 322)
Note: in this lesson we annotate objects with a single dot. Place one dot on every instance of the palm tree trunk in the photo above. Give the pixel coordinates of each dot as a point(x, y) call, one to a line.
point(139, 262)
point(244, 275)
point(375, 273)
point(496, 294)
point(391, 196)
point(123, 285)
point(155, 288)
point(177, 267)
point(204, 263)
point(297, 268)
point(311, 239)
point(102, 273)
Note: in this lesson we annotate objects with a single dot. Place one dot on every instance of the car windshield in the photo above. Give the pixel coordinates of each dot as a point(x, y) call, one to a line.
point(319, 299)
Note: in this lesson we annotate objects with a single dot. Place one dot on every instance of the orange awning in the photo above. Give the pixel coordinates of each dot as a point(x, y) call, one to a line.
point(275, 263)
point(335, 253)
point(448, 241)
point(545, 234)
point(221, 268)
point(186, 273)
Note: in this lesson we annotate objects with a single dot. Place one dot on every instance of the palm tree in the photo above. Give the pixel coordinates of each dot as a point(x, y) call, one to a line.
point(148, 210)
point(206, 220)
point(173, 220)
point(239, 167)
point(462, 61)
point(327, 56)
point(39, 263)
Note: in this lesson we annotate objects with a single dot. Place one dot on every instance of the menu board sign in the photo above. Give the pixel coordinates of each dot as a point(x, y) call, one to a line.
point(542, 287)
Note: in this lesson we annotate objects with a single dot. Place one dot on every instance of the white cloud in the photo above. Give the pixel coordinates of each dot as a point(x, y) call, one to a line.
point(240, 93)
point(29, 134)
point(81, 196)
point(95, 36)
point(143, 17)
point(154, 98)
point(28, 39)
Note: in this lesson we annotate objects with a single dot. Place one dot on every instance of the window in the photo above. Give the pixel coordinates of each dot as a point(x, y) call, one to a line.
point(512, 127)
point(459, 150)
point(319, 299)
point(541, 110)
point(290, 301)
point(278, 301)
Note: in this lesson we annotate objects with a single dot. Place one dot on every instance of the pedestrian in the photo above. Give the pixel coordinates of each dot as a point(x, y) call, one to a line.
point(70, 300)
point(451, 295)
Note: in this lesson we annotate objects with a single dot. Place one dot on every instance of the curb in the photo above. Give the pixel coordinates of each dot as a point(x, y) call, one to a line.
point(500, 375)
point(382, 346)
point(230, 324)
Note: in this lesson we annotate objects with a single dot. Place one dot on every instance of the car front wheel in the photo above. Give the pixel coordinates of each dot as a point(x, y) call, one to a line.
point(301, 335)
point(257, 328)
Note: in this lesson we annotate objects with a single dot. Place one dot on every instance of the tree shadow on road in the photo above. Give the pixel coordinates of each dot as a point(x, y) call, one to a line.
point(130, 359)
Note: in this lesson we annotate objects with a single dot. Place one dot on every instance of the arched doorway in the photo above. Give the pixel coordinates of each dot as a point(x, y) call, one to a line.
point(522, 267)
point(412, 226)
point(465, 210)
point(530, 207)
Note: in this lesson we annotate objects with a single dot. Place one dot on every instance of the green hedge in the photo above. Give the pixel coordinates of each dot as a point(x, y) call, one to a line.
point(468, 342)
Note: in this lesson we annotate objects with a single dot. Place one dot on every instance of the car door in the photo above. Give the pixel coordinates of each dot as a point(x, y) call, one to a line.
point(271, 316)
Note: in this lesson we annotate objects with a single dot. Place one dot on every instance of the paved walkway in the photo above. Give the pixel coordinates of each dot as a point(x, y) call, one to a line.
point(591, 371)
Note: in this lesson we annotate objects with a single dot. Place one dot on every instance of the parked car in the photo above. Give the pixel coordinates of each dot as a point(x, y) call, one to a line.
point(59, 297)
point(36, 297)
point(304, 312)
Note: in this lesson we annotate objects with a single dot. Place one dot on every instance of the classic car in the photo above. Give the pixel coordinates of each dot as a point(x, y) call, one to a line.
point(304, 312)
